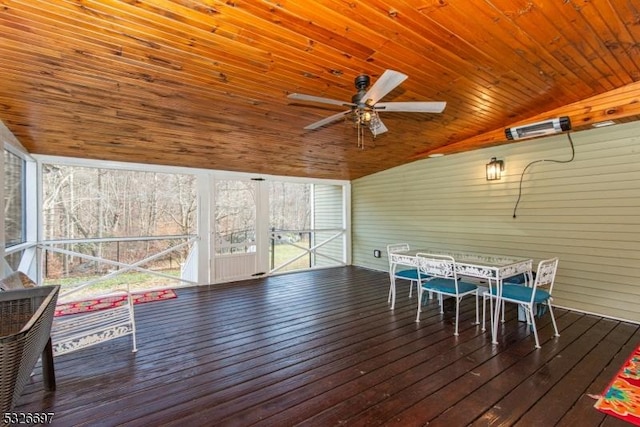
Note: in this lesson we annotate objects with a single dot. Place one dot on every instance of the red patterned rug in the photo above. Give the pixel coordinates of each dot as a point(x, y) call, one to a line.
point(94, 304)
point(622, 397)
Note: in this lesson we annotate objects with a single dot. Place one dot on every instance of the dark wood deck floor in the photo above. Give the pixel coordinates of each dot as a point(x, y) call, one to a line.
point(322, 348)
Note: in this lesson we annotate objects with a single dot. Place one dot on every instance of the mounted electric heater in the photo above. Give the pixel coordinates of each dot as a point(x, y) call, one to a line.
point(546, 127)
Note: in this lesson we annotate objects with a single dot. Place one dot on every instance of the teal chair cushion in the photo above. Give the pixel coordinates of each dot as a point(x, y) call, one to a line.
point(411, 274)
point(447, 285)
point(519, 279)
point(523, 293)
point(516, 280)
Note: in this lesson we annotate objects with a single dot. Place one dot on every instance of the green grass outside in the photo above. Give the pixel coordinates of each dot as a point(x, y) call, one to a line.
point(284, 253)
point(138, 281)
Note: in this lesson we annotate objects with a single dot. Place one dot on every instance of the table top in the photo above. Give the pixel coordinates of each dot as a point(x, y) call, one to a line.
point(471, 263)
point(463, 257)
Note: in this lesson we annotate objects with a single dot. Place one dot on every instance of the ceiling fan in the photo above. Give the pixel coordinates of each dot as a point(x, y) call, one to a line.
point(364, 105)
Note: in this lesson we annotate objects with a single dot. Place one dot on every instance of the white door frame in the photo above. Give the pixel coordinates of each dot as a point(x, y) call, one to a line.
point(240, 266)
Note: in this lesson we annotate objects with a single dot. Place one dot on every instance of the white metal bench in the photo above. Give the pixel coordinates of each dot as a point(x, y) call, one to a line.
point(76, 331)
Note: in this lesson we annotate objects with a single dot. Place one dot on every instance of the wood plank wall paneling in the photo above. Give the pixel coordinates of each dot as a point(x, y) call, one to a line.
point(587, 212)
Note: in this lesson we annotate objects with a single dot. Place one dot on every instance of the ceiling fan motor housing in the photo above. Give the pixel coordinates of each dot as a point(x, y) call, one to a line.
point(362, 82)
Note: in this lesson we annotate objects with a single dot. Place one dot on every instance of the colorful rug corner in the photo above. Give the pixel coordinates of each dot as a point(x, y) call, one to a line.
point(621, 398)
point(94, 304)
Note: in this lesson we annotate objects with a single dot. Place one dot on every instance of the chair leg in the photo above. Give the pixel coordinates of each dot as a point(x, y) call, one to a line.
point(533, 324)
point(527, 315)
point(553, 319)
point(441, 304)
point(484, 310)
point(491, 313)
point(418, 284)
point(392, 293)
point(420, 292)
point(457, 311)
point(411, 288)
point(477, 314)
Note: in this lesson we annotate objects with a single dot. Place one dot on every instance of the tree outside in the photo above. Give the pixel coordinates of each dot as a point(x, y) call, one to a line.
point(127, 216)
point(101, 212)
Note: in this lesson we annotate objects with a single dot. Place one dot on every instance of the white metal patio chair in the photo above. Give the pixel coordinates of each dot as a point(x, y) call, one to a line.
point(531, 298)
point(443, 281)
point(410, 274)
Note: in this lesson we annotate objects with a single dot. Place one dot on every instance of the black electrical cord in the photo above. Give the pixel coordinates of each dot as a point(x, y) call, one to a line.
point(573, 155)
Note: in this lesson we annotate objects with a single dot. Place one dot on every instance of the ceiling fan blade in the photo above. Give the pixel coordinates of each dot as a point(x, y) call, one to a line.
point(385, 84)
point(377, 127)
point(327, 120)
point(303, 97)
point(416, 107)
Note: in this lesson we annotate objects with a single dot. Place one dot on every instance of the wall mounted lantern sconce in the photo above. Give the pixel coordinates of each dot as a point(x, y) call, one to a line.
point(495, 168)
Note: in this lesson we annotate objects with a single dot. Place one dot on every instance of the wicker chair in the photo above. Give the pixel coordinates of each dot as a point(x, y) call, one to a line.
point(26, 316)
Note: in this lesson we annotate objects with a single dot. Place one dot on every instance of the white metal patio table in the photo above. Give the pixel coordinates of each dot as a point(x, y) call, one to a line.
point(492, 268)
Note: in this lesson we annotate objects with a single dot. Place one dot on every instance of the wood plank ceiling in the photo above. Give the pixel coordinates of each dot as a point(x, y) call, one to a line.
point(205, 83)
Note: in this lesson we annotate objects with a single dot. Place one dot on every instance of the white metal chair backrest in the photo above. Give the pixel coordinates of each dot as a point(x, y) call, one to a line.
point(546, 274)
point(435, 265)
point(396, 247)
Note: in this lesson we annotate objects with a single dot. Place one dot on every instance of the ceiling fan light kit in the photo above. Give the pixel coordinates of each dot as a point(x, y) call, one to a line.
point(364, 105)
point(545, 127)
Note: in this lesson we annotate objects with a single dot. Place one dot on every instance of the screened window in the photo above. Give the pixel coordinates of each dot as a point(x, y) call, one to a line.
point(14, 199)
point(97, 221)
point(307, 226)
